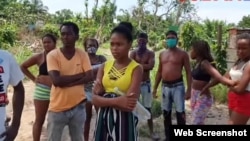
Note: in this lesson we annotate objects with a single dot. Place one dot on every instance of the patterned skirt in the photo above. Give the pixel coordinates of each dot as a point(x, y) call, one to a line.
point(115, 125)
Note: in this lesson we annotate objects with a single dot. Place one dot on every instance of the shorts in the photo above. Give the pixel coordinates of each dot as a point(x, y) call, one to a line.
point(146, 95)
point(173, 94)
point(239, 103)
point(42, 92)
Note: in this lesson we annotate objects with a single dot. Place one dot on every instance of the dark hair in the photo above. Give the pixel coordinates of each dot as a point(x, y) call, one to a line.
point(90, 39)
point(202, 49)
point(127, 24)
point(171, 32)
point(142, 35)
point(51, 36)
point(123, 30)
point(243, 36)
point(239, 37)
point(72, 25)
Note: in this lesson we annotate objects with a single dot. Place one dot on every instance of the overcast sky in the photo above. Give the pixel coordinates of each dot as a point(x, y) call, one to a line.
point(230, 11)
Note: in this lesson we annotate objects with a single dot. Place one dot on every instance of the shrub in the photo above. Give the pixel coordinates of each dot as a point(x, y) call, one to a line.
point(87, 33)
point(220, 93)
point(105, 45)
point(156, 108)
point(48, 28)
point(22, 53)
point(8, 36)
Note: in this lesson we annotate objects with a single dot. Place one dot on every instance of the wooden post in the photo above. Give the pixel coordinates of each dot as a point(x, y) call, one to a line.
point(219, 37)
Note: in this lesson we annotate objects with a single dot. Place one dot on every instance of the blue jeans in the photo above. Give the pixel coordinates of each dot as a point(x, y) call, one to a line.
point(74, 118)
point(174, 93)
point(146, 95)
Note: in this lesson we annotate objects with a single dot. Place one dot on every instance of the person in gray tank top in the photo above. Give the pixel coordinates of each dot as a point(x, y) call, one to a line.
point(91, 46)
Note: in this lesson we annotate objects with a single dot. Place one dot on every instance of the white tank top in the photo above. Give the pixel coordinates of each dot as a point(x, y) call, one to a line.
point(237, 74)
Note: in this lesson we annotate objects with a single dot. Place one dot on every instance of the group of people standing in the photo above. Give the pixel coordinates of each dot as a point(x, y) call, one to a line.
point(71, 80)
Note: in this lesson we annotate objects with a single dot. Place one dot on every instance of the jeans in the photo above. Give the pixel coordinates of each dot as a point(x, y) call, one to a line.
point(74, 118)
point(146, 95)
point(174, 94)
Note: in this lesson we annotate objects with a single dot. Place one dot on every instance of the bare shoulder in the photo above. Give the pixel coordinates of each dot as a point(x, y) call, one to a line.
point(37, 56)
point(151, 53)
point(180, 50)
point(205, 63)
point(139, 68)
point(132, 53)
point(183, 52)
point(163, 53)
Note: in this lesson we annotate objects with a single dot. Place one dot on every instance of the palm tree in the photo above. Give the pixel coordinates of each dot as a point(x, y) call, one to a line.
point(36, 6)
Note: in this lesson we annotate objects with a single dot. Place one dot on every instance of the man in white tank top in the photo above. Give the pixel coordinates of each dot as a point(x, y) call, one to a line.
point(10, 74)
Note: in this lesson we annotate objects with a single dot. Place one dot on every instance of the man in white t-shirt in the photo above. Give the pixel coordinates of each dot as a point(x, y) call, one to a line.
point(10, 74)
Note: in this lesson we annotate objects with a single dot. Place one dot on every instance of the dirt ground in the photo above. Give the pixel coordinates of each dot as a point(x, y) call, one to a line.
point(217, 115)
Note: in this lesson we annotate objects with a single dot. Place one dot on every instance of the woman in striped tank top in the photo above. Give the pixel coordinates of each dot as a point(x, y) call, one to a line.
point(42, 81)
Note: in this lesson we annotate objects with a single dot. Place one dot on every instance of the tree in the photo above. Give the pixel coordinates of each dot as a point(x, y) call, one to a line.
point(63, 15)
point(104, 18)
point(36, 6)
point(245, 22)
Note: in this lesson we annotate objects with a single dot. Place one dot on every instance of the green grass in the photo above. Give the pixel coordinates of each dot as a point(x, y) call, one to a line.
point(220, 93)
point(21, 54)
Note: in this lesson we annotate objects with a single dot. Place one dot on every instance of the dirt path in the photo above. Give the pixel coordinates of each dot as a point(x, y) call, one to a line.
point(218, 115)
